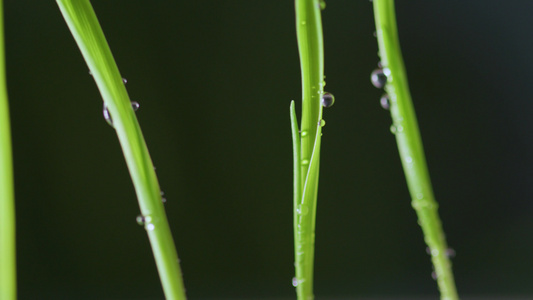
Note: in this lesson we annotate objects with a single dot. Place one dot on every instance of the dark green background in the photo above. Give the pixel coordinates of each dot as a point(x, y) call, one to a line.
point(214, 80)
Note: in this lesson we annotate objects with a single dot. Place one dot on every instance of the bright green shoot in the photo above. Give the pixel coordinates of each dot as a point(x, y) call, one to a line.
point(8, 275)
point(83, 24)
point(405, 128)
point(306, 143)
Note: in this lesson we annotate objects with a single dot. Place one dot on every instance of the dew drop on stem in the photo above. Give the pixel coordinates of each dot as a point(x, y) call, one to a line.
point(327, 100)
point(163, 199)
point(450, 253)
point(434, 275)
point(294, 282)
point(393, 129)
point(322, 4)
point(140, 220)
point(124, 80)
point(302, 210)
point(107, 116)
point(384, 101)
point(378, 78)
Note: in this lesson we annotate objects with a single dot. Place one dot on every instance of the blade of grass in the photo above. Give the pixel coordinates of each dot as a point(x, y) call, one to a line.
point(8, 276)
point(410, 146)
point(310, 46)
point(297, 188)
point(83, 24)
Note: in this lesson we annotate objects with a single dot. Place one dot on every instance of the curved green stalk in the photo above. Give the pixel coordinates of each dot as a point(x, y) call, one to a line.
point(410, 147)
point(83, 24)
point(306, 164)
point(297, 179)
point(8, 274)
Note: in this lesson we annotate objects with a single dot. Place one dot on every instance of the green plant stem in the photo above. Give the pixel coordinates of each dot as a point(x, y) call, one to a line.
point(307, 144)
point(8, 274)
point(83, 24)
point(410, 147)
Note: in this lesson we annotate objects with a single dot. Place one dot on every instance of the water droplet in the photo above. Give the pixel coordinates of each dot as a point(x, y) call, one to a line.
point(303, 133)
point(305, 162)
point(107, 116)
point(435, 252)
point(419, 196)
point(135, 105)
point(164, 200)
point(294, 281)
point(450, 253)
point(322, 123)
point(380, 65)
point(434, 275)
point(322, 4)
point(327, 100)
point(162, 193)
point(140, 220)
point(399, 128)
point(302, 210)
point(428, 250)
point(393, 129)
point(384, 101)
point(150, 227)
point(124, 80)
point(375, 34)
point(378, 78)
point(408, 159)
point(90, 73)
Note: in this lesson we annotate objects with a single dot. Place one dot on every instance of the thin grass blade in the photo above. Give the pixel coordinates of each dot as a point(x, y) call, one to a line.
point(82, 22)
point(8, 273)
point(405, 127)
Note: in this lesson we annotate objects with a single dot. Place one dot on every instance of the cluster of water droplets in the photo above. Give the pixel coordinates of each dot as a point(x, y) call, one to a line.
point(294, 282)
point(379, 78)
point(326, 99)
point(107, 116)
point(124, 80)
point(450, 253)
point(302, 210)
point(145, 221)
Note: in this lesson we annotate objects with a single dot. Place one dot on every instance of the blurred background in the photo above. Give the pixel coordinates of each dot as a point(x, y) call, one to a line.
point(214, 80)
